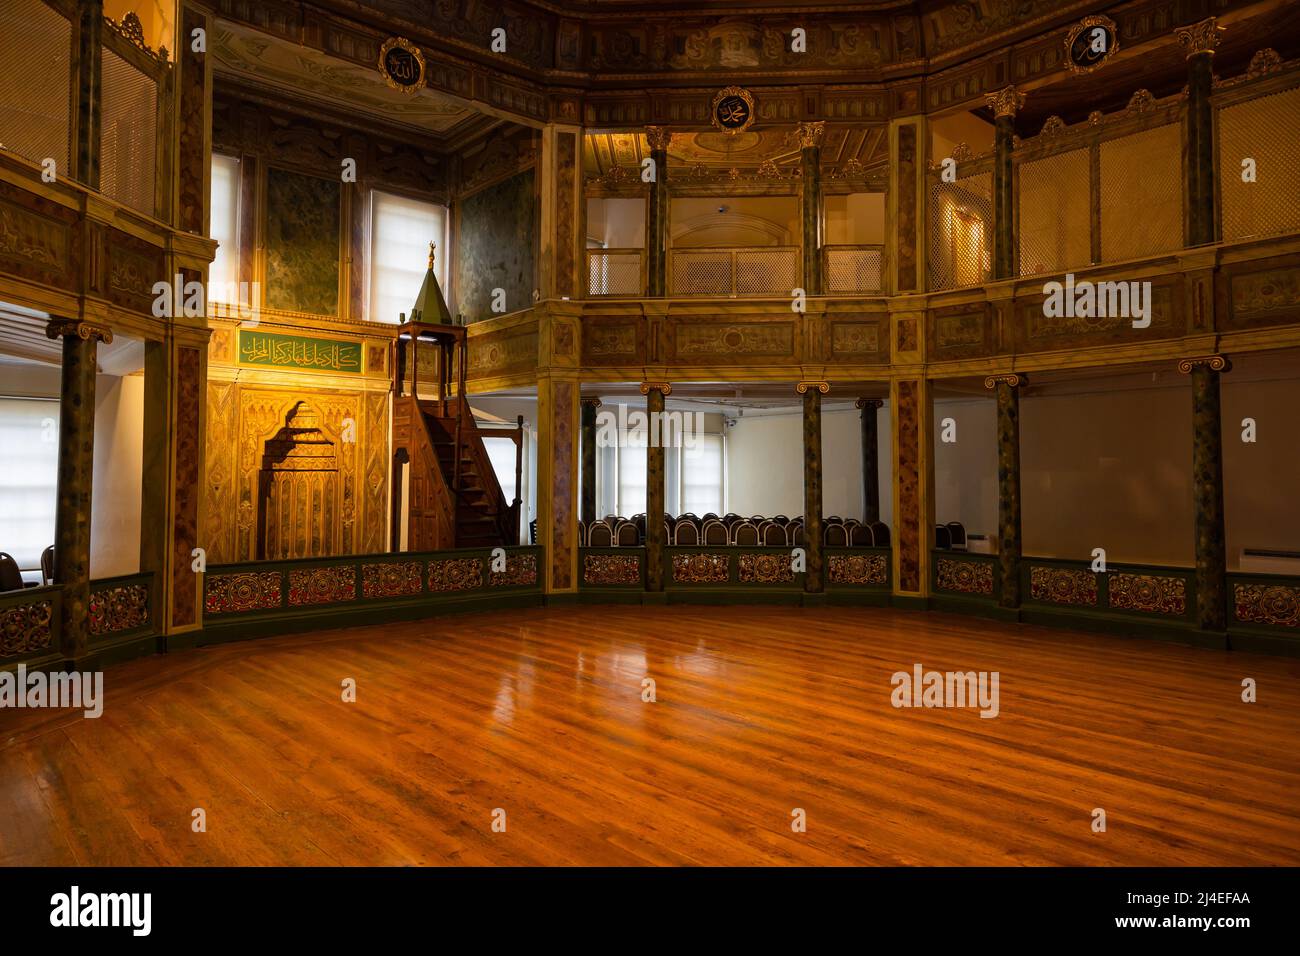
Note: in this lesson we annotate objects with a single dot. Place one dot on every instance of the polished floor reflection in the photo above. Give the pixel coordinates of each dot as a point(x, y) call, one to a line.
point(758, 712)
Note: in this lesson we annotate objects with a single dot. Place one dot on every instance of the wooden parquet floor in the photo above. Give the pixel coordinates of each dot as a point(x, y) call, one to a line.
point(758, 711)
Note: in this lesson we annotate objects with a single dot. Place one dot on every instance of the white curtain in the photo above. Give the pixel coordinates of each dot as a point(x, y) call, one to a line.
point(29, 435)
point(223, 274)
point(400, 232)
point(702, 476)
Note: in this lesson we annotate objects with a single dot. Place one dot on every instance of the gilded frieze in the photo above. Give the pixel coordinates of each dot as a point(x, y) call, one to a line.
point(1276, 605)
point(858, 569)
point(700, 568)
point(697, 341)
point(243, 591)
point(759, 568)
point(1266, 297)
point(322, 585)
point(611, 569)
point(391, 580)
point(1063, 586)
point(124, 607)
point(964, 577)
point(25, 628)
point(521, 571)
point(455, 574)
point(1154, 593)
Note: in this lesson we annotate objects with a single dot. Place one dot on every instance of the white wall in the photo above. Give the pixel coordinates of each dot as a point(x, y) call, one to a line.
point(1262, 508)
point(765, 464)
point(616, 223)
point(115, 488)
point(966, 470)
point(855, 218)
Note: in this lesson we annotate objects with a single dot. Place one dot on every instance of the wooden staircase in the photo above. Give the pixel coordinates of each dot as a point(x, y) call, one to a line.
point(450, 497)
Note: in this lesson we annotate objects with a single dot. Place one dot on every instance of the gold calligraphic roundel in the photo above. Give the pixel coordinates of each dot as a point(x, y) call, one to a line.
point(402, 64)
point(1090, 43)
point(733, 110)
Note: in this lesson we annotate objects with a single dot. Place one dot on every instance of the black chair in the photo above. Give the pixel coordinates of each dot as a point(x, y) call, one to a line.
point(942, 537)
point(835, 535)
point(11, 578)
point(745, 535)
point(627, 535)
point(686, 533)
point(599, 535)
point(715, 532)
point(880, 534)
point(47, 565)
point(958, 532)
point(532, 531)
point(860, 536)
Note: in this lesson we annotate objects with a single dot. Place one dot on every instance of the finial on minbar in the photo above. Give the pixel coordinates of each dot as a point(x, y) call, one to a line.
point(432, 246)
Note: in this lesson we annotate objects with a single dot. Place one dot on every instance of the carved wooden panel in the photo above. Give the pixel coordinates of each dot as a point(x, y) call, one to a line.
point(1261, 293)
point(959, 332)
point(1036, 332)
point(693, 341)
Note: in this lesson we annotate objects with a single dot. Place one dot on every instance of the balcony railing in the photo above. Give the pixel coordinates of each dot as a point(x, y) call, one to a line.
point(756, 270)
point(853, 268)
point(616, 272)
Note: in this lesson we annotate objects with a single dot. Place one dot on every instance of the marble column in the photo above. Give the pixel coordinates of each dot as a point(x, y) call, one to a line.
point(1007, 388)
point(870, 458)
point(1004, 103)
point(557, 483)
point(1199, 42)
point(655, 539)
point(1207, 488)
point(588, 509)
point(810, 158)
point(76, 469)
point(88, 93)
point(906, 197)
point(814, 581)
point(656, 220)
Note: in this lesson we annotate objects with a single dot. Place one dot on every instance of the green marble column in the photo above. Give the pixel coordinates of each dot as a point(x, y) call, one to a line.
point(1005, 103)
point(870, 458)
point(86, 120)
point(810, 157)
point(814, 580)
point(588, 506)
point(654, 491)
point(656, 220)
point(1007, 389)
point(1207, 489)
point(76, 468)
point(1199, 42)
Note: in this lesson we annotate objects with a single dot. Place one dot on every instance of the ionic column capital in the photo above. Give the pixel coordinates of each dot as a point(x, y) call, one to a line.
point(1215, 363)
point(869, 403)
point(65, 328)
point(591, 400)
point(664, 387)
point(803, 387)
point(1014, 379)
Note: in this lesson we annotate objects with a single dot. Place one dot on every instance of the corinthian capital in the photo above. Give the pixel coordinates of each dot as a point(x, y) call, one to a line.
point(659, 136)
point(1006, 101)
point(1200, 37)
point(810, 134)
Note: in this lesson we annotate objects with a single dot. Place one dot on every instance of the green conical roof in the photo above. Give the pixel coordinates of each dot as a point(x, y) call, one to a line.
point(430, 306)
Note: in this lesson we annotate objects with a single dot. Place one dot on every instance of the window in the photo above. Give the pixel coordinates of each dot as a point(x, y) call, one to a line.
point(223, 274)
point(693, 478)
point(400, 232)
point(29, 434)
point(702, 476)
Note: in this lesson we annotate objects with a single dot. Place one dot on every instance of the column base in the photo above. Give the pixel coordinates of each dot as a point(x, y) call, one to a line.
point(658, 598)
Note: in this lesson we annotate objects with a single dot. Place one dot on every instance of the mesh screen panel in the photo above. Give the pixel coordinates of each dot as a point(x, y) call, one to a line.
point(961, 231)
point(1264, 130)
point(853, 270)
point(614, 273)
point(701, 273)
point(128, 134)
point(1142, 194)
point(761, 271)
point(1055, 213)
point(35, 47)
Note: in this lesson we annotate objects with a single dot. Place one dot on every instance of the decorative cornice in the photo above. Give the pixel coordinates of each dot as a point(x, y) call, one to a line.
point(664, 387)
point(810, 134)
point(1264, 62)
point(802, 387)
point(1140, 102)
point(1215, 363)
point(659, 136)
point(1014, 379)
point(1200, 37)
point(869, 403)
point(132, 32)
point(65, 328)
point(1005, 102)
